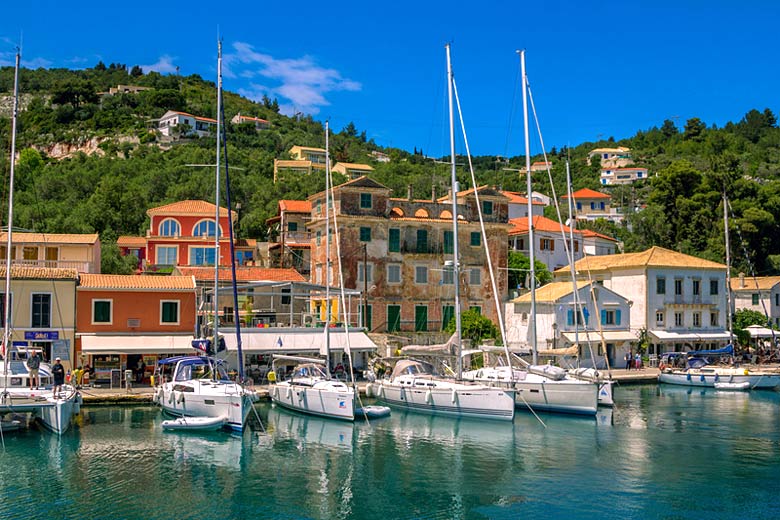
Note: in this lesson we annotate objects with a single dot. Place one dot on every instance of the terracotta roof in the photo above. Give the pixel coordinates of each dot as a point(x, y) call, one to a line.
point(128, 241)
point(587, 233)
point(280, 163)
point(250, 118)
point(20, 272)
point(541, 162)
point(587, 193)
point(199, 208)
point(199, 118)
point(760, 283)
point(551, 292)
point(122, 281)
point(653, 257)
point(295, 206)
point(244, 274)
point(516, 198)
point(50, 238)
point(520, 225)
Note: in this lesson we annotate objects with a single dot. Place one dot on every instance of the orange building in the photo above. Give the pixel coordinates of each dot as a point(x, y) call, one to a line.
point(123, 319)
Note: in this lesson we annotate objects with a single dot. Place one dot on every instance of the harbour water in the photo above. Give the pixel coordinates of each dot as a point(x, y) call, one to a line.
point(664, 452)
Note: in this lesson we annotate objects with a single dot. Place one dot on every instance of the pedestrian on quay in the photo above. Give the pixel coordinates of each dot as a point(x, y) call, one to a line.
point(33, 364)
point(58, 372)
point(638, 360)
point(628, 359)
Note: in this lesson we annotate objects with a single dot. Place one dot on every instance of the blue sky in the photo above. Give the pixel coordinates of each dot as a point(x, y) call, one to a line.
point(597, 69)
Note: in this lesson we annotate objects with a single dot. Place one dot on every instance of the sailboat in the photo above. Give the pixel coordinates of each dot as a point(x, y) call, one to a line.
point(310, 388)
point(412, 384)
point(200, 393)
point(537, 387)
point(53, 410)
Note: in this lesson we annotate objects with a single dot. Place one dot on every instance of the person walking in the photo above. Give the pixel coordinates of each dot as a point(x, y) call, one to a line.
point(628, 358)
point(58, 372)
point(33, 364)
point(638, 360)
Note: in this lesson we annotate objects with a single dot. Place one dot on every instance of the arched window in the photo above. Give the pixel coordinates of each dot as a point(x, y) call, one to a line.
point(169, 228)
point(204, 228)
point(421, 213)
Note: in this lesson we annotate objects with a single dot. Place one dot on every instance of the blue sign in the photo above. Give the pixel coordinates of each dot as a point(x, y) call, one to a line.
point(42, 335)
point(60, 349)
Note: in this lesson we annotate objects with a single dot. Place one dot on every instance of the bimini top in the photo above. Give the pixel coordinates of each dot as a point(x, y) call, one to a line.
point(412, 367)
point(728, 350)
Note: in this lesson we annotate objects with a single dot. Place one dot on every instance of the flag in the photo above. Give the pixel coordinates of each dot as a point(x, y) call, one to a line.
point(279, 342)
point(203, 345)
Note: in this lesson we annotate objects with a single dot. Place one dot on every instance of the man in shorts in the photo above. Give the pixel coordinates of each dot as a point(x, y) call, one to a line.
point(33, 364)
point(58, 372)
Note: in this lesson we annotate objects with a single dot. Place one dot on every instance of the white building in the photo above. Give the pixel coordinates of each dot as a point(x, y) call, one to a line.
point(259, 124)
point(611, 157)
point(174, 123)
point(549, 245)
point(518, 205)
point(562, 321)
point(592, 205)
point(760, 294)
point(598, 244)
point(612, 176)
point(678, 299)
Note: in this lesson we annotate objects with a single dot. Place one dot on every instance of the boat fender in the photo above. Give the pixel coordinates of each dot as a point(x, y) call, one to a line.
point(661, 366)
point(381, 391)
point(454, 396)
point(429, 397)
point(171, 398)
point(289, 392)
point(701, 378)
point(688, 376)
point(181, 398)
point(747, 371)
point(276, 393)
point(717, 377)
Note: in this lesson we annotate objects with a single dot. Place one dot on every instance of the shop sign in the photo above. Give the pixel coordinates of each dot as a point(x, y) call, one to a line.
point(42, 335)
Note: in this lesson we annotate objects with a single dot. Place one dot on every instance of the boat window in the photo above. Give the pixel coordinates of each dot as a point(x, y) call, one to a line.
point(184, 373)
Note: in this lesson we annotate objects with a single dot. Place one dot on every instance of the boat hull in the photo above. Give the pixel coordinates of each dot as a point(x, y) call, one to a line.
point(709, 378)
point(323, 402)
point(576, 397)
point(478, 402)
point(207, 399)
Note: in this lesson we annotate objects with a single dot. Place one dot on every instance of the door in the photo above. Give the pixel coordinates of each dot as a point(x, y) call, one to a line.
point(420, 318)
point(393, 318)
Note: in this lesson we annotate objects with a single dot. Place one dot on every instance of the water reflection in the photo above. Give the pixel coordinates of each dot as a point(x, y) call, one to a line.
point(308, 429)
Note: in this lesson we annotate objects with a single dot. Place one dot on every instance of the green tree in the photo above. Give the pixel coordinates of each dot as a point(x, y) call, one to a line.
point(520, 266)
point(694, 129)
point(475, 327)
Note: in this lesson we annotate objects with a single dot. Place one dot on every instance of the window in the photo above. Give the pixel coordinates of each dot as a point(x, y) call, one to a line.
point(777, 299)
point(714, 319)
point(754, 298)
point(169, 228)
point(319, 237)
point(660, 285)
point(420, 318)
point(592, 205)
point(475, 276)
point(422, 241)
point(678, 286)
point(285, 297)
point(394, 241)
point(487, 207)
point(41, 311)
point(447, 315)
point(2, 308)
point(292, 226)
point(204, 228)
point(393, 318)
point(678, 319)
point(448, 275)
point(607, 317)
point(659, 318)
point(420, 274)
point(696, 287)
point(369, 272)
point(169, 312)
point(601, 206)
point(713, 286)
point(547, 244)
point(476, 238)
point(579, 206)
point(697, 319)
point(202, 255)
point(101, 312)
point(448, 242)
point(365, 234)
point(365, 201)
point(52, 254)
point(393, 273)
point(3, 250)
point(30, 253)
point(476, 308)
point(570, 316)
point(166, 255)
point(367, 311)
point(318, 206)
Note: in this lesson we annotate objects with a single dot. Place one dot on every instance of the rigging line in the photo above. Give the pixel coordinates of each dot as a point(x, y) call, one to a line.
point(499, 312)
point(566, 248)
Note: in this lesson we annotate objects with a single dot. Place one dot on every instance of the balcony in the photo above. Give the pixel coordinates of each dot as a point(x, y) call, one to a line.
point(691, 299)
point(411, 248)
point(80, 266)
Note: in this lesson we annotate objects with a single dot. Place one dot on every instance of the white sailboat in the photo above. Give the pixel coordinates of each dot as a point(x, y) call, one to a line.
point(537, 387)
point(200, 386)
point(54, 411)
point(412, 384)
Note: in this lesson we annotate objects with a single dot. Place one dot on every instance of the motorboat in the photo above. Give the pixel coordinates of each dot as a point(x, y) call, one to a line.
point(194, 424)
point(697, 370)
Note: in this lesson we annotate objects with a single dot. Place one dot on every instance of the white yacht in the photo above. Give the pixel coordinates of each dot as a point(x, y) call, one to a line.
point(310, 390)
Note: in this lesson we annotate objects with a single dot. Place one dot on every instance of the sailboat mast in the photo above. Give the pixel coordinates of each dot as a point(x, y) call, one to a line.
point(216, 203)
point(532, 273)
point(454, 197)
point(7, 306)
point(327, 249)
point(572, 221)
point(728, 266)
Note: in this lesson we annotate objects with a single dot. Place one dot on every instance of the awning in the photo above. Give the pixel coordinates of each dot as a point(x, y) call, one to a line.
point(300, 340)
point(680, 337)
point(757, 331)
point(136, 344)
point(595, 337)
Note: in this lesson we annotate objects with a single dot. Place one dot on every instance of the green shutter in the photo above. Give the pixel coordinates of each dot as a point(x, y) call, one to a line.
point(476, 239)
point(394, 242)
point(420, 318)
point(365, 234)
point(422, 241)
point(448, 242)
point(102, 312)
point(169, 312)
point(367, 318)
point(447, 314)
point(393, 318)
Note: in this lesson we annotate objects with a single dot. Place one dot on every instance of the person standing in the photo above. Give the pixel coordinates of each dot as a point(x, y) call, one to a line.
point(33, 364)
point(628, 358)
point(638, 360)
point(58, 372)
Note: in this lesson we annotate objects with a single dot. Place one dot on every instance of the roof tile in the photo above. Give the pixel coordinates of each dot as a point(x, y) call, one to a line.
point(121, 281)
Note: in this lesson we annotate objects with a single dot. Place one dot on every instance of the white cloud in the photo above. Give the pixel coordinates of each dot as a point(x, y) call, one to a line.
point(8, 59)
point(164, 65)
point(300, 83)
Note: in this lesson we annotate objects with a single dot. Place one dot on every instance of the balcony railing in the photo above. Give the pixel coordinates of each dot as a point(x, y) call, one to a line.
point(82, 267)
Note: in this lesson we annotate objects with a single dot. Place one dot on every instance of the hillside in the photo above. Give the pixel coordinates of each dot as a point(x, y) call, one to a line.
point(89, 163)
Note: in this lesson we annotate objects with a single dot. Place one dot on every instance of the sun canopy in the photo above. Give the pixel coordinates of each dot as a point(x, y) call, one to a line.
point(289, 340)
point(136, 344)
point(727, 350)
point(595, 337)
point(680, 337)
point(757, 331)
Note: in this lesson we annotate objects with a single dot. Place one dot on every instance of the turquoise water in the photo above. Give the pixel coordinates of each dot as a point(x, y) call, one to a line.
point(664, 452)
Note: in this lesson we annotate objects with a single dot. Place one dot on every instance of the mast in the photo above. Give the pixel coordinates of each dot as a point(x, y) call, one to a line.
point(532, 273)
point(216, 203)
point(454, 197)
point(728, 266)
point(327, 250)
point(7, 309)
point(572, 220)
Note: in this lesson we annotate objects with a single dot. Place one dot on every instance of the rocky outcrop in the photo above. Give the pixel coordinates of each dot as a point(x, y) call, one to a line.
point(86, 146)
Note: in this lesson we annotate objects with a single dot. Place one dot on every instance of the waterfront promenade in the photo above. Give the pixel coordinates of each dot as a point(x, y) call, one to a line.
point(142, 394)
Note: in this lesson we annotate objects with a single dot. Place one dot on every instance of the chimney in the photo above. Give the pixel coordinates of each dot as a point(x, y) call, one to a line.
point(409, 191)
point(433, 193)
point(741, 280)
